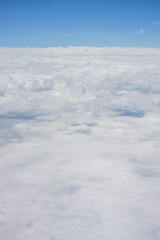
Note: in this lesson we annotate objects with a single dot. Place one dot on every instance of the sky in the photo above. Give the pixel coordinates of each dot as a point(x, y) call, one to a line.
point(47, 23)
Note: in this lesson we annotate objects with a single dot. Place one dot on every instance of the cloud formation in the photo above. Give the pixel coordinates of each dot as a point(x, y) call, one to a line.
point(141, 31)
point(79, 143)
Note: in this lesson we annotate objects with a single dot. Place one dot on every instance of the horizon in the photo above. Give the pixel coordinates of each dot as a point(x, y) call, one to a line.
point(89, 47)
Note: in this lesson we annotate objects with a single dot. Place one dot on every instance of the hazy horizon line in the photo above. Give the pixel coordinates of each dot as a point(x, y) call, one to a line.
point(80, 46)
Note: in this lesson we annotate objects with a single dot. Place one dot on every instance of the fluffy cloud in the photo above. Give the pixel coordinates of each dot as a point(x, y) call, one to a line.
point(79, 144)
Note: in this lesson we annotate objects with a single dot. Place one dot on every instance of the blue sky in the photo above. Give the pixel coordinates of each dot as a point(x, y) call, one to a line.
point(33, 23)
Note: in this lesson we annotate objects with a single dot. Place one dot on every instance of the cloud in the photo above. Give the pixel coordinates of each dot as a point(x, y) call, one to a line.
point(79, 143)
point(156, 23)
point(141, 31)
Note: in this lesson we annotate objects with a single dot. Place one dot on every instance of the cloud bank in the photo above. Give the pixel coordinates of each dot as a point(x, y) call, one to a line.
point(79, 143)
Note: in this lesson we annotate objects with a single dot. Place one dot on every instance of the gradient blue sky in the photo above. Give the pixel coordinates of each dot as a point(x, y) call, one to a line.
point(33, 23)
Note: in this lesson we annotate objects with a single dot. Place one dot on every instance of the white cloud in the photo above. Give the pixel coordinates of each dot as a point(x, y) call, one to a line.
point(156, 23)
point(141, 31)
point(79, 143)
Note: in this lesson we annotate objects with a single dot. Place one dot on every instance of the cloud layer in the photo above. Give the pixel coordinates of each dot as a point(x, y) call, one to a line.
point(79, 144)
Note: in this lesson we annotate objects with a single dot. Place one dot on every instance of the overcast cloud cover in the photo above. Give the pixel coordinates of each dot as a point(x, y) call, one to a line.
point(79, 144)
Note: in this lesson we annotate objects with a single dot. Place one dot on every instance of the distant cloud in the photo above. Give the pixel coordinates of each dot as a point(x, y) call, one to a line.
point(156, 23)
point(139, 31)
